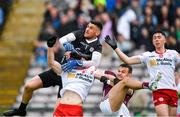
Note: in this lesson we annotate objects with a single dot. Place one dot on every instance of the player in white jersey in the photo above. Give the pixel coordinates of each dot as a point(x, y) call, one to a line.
point(161, 66)
point(77, 73)
point(177, 79)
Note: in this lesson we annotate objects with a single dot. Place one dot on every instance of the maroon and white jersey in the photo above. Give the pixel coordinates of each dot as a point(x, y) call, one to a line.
point(161, 67)
point(107, 88)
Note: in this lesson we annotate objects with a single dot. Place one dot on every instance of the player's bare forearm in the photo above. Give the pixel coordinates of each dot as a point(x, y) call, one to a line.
point(99, 73)
point(126, 59)
point(52, 63)
point(56, 68)
point(50, 54)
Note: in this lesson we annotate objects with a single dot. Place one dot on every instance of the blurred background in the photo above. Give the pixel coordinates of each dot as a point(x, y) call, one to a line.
point(25, 26)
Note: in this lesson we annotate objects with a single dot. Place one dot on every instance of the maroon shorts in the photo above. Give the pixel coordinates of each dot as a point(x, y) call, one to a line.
point(63, 110)
point(165, 96)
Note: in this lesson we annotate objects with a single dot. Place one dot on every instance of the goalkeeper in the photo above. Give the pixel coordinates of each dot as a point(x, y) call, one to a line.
point(83, 55)
point(85, 43)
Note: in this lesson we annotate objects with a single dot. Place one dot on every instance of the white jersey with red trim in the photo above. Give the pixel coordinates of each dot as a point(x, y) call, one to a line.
point(78, 81)
point(161, 68)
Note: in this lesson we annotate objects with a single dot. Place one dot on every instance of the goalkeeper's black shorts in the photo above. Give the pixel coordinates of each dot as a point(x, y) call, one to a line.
point(50, 78)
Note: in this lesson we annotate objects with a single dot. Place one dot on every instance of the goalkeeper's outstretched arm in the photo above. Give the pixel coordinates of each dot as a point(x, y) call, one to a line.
point(56, 66)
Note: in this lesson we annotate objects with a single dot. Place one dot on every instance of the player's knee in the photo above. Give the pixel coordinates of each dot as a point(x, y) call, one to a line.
point(115, 109)
point(28, 87)
point(124, 81)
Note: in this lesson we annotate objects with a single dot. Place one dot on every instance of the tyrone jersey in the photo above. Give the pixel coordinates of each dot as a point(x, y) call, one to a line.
point(161, 67)
point(78, 81)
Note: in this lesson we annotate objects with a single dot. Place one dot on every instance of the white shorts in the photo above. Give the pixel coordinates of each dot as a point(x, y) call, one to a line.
point(106, 109)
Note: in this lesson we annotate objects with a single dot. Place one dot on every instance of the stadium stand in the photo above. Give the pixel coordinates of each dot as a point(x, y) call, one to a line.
point(26, 31)
point(16, 48)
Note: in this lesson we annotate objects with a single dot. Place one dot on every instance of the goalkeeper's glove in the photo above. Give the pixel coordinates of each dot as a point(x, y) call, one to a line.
point(68, 47)
point(71, 64)
point(111, 42)
point(51, 41)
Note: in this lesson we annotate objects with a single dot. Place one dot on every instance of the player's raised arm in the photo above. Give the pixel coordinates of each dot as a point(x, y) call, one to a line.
point(51, 61)
point(121, 55)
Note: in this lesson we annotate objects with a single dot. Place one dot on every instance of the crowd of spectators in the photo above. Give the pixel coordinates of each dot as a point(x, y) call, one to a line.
point(131, 22)
point(5, 6)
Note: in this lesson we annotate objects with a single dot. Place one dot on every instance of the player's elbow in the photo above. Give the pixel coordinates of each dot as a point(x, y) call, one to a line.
point(50, 63)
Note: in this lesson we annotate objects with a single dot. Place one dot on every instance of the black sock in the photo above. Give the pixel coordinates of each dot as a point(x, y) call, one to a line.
point(22, 106)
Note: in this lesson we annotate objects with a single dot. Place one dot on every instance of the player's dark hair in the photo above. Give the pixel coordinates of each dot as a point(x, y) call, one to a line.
point(97, 23)
point(160, 31)
point(127, 66)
